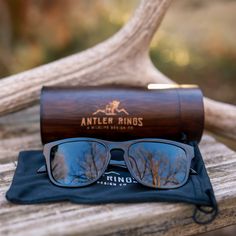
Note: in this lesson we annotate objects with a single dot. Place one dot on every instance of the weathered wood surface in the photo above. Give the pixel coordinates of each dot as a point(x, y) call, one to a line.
point(21, 131)
point(121, 59)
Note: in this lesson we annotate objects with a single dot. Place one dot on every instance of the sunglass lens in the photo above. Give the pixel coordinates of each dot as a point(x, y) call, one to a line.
point(158, 165)
point(78, 163)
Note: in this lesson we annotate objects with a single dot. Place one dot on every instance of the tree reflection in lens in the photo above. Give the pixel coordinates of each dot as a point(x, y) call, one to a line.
point(77, 162)
point(160, 165)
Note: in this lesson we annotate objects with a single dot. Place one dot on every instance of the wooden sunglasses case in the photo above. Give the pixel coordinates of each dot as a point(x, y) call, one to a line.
point(122, 113)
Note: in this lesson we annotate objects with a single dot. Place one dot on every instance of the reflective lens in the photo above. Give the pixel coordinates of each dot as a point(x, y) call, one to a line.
point(77, 163)
point(158, 165)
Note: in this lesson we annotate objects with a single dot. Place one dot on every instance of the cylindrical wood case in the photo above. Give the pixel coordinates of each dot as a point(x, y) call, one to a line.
point(121, 113)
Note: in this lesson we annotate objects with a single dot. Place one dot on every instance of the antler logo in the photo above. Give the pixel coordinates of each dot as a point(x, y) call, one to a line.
point(111, 109)
point(112, 118)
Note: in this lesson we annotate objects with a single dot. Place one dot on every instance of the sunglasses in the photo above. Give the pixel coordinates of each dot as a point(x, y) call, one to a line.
point(156, 163)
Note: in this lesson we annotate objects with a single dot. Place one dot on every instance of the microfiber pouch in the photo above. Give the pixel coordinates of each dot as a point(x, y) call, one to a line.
point(115, 186)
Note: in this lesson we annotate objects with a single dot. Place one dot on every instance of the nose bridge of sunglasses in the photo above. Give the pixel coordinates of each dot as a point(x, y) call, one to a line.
point(117, 149)
point(117, 154)
point(119, 145)
point(117, 158)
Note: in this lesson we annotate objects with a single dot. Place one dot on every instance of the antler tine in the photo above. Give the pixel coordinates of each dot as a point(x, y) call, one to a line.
point(109, 62)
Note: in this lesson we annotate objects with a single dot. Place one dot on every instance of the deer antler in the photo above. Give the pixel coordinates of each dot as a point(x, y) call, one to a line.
point(122, 59)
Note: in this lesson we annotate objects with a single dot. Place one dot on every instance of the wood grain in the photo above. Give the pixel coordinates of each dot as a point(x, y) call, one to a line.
point(109, 219)
point(163, 113)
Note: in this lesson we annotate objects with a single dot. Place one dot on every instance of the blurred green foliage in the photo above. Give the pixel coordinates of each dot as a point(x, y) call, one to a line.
point(195, 44)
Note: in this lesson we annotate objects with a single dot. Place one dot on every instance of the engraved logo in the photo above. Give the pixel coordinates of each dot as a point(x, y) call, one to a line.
point(112, 116)
point(112, 109)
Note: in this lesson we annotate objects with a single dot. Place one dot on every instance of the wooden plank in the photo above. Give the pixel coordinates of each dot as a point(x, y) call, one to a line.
point(108, 219)
point(19, 131)
point(146, 218)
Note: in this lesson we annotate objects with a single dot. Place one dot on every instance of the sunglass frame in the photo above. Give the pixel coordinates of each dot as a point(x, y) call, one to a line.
point(124, 145)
